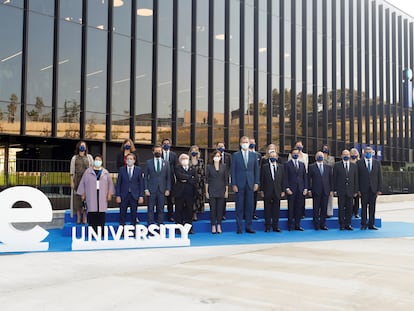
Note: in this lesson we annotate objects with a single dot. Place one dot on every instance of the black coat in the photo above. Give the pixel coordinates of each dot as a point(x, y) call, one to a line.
point(345, 184)
point(271, 188)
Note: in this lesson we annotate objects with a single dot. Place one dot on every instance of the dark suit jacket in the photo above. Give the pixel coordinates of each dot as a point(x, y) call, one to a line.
point(271, 188)
point(369, 181)
point(227, 161)
point(343, 184)
point(135, 184)
point(320, 184)
point(240, 175)
point(186, 182)
point(173, 160)
point(154, 180)
point(296, 181)
point(217, 180)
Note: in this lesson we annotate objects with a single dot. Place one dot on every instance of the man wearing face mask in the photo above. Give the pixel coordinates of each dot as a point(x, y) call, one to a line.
point(129, 189)
point(157, 179)
point(345, 185)
point(184, 191)
point(245, 178)
point(170, 157)
point(329, 160)
point(320, 188)
point(296, 183)
point(271, 184)
point(252, 148)
point(370, 185)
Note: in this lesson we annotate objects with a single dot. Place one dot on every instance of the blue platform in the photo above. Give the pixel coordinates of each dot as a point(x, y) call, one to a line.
point(203, 225)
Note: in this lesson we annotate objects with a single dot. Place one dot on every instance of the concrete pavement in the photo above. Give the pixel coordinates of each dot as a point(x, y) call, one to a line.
point(329, 275)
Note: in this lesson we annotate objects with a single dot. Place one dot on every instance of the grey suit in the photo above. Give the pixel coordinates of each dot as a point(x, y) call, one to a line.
point(157, 183)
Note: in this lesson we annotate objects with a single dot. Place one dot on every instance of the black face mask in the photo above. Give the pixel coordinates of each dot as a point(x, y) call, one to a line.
point(157, 154)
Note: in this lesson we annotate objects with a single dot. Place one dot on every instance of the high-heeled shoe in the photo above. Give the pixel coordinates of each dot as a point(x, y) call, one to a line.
point(218, 229)
point(213, 230)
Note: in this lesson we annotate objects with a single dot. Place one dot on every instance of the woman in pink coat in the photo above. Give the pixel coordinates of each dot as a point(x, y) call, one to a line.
point(96, 183)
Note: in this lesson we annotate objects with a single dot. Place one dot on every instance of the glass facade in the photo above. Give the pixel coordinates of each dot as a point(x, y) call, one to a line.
point(198, 72)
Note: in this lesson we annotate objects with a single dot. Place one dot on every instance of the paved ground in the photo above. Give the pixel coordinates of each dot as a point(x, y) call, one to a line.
point(330, 275)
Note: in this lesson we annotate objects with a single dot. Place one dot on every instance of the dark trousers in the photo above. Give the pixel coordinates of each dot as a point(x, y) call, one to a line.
point(355, 207)
point(320, 206)
point(295, 209)
point(96, 219)
point(184, 210)
point(170, 206)
point(156, 199)
point(368, 202)
point(216, 210)
point(244, 207)
point(129, 201)
point(344, 210)
point(255, 202)
point(272, 212)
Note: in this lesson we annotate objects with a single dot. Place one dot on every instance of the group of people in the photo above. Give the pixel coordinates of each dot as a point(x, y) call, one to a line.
point(186, 182)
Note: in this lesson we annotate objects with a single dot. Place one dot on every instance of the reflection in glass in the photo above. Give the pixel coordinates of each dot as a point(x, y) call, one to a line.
point(122, 17)
point(69, 80)
point(201, 101)
point(218, 98)
point(183, 98)
point(164, 89)
point(165, 23)
point(71, 10)
point(39, 75)
point(202, 27)
point(144, 21)
point(42, 6)
point(98, 14)
point(184, 25)
point(234, 31)
point(234, 107)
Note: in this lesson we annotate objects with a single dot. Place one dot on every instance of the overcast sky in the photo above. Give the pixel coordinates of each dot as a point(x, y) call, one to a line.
point(405, 5)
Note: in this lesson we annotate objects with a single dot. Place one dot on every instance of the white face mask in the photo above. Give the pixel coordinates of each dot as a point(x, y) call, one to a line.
point(184, 162)
point(245, 146)
point(97, 163)
point(216, 159)
point(130, 162)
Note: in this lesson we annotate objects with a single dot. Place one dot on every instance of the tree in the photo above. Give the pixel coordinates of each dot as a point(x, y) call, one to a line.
point(12, 108)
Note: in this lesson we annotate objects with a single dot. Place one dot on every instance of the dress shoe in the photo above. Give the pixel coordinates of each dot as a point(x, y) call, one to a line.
point(349, 228)
point(170, 219)
point(372, 228)
point(255, 217)
point(250, 231)
point(356, 216)
point(299, 229)
point(239, 232)
point(219, 229)
point(267, 230)
point(363, 227)
point(277, 230)
point(324, 228)
point(223, 218)
point(342, 228)
point(191, 231)
point(329, 216)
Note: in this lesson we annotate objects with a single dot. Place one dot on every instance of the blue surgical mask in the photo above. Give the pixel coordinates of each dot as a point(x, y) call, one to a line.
point(130, 162)
point(319, 158)
point(325, 150)
point(368, 155)
point(300, 148)
point(295, 156)
point(221, 149)
point(345, 158)
point(82, 148)
point(252, 146)
point(245, 146)
point(127, 147)
point(273, 160)
point(97, 163)
point(194, 153)
point(354, 156)
point(166, 147)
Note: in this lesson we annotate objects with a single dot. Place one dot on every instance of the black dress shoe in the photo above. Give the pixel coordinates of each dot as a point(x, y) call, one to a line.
point(372, 228)
point(191, 231)
point(223, 218)
point(267, 230)
point(250, 231)
point(255, 217)
point(324, 228)
point(363, 227)
point(170, 219)
point(349, 228)
point(299, 229)
point(356, 216)
point(277, 230)
point(239, 232)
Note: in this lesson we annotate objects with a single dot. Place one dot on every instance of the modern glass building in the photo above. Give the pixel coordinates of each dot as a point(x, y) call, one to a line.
point(202, 71)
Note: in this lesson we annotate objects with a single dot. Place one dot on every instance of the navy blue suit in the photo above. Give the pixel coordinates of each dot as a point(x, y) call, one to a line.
point(244, 178)
point(321, 187)
point(157, 183)
point(297, 181)
point(130, 189)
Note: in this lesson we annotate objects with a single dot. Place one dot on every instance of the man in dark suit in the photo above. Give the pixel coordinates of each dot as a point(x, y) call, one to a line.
point(225, 159)
point(345, 185)
point(296, 184)
point(320, 188)
point(252, 148)
point(129, 189)
point(271, 185)
point(245, 181)
point(157, 178)
point(170, 157)
point(370, 186)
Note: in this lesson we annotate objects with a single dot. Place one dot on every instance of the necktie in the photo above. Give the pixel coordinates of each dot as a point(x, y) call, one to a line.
point(158, 166)
point(369, 166)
